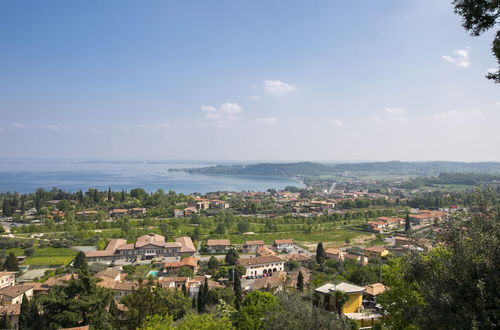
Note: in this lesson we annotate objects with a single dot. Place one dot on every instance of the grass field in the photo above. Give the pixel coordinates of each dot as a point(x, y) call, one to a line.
point(47, 256)
point(447, 187)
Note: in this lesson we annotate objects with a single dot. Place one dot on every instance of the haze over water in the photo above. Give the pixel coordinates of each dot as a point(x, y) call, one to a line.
point(24, 176)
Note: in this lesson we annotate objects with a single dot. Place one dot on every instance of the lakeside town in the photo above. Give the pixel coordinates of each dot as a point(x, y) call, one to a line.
point(306, 240)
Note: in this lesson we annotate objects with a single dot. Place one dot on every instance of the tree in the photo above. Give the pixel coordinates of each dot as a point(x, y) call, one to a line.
point(478, 17)
point(220, 229)
point(244, 226)
point(184, 290)
point(237, 289)
point(78, 302)
point(320, 253)
point(6, 208)
point(252, 311)
point(294, 311)
point(213, 263)
point(205, 322)
point(149, 299)
point(407, 222)
point(339, 299)
point(216, 295)
point(202, 296)
point(123, 196)
point(165, 229)
point(300, 282)
point(454, 285)
point(232, 257)
point(185, 271)
point(80, 261)
point(11, 263)
point(110, 196)
point(29, 319)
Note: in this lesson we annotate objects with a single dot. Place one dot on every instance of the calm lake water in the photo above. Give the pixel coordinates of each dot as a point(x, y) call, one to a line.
point(26, 176)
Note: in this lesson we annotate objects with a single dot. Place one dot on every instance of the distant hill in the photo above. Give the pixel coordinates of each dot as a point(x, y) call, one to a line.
point(307, 169)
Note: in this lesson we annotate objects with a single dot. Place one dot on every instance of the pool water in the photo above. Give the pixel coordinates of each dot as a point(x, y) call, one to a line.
point(153, 273)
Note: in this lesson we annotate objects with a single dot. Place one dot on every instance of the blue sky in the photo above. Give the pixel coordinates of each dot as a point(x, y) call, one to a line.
point(244, 80)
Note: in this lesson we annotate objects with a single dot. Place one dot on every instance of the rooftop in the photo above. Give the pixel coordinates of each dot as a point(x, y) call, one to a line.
point(344, 287)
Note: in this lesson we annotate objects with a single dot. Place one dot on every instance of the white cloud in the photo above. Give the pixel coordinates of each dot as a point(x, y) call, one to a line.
point(278, 87)
point(460, 58)
point(391, 114)
point(455, 115)
point(54, 128)
point(225, 114)
point(335, 122)
point(395, 111)
point(266, 120)
point(17, 125)
point(254, 98)
point(492, 70)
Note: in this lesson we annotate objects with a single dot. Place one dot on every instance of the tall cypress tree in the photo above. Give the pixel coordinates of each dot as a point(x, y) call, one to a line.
point(407, 222)
point(300, 282)
point(11, 263)
point(184, 290)
point(202, 301)
point(320, 253)
point(29, 319)
point(238, 296)
point(109, 194)
point(123, 196)
point(80, 261)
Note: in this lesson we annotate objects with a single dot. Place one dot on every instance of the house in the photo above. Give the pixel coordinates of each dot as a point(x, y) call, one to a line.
point(202, 204)
point(301, 258)
point(148, 246)
point(137, 211)
point(178, 213)
point(7, 279)
point(376, 226)
point(190, 262)
point(281, 244)
point(218, 204)
point(264, 251)
point(189, 211)
point(324, 298)
point(12, 312)
point(59, 280)
point(356, 258)
point(333, 253)
point(261, 265)
point(273, 283)
point(109, 273)
point(11, 295)
point(252, 246)
point(218, 245)
point(371, 293)
point(118, 213)
point(375, 252)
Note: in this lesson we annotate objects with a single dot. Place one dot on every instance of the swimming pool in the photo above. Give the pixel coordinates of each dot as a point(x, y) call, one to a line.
point(153, 273)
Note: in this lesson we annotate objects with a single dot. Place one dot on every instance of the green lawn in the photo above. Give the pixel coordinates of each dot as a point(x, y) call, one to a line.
point(47, 256)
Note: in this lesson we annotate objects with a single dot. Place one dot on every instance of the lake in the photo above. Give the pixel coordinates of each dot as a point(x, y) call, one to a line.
point(25, 176)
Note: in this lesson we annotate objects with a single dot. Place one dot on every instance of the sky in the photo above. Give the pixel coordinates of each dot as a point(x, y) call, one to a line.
point(279, 80)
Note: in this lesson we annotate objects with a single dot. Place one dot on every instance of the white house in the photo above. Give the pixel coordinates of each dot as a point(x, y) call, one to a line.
point(262, 265)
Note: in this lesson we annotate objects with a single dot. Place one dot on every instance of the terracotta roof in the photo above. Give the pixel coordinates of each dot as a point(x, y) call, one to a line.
point(150, 239)
point(272, 281)
point(109, 273)
point(129, 246)
point(2, 274)
point(37, 286)
point(58, 280)
point(83, 327)
point(283, 241)
point(295, 274)
point(15, 290)
point(99, 253)
point(333, 251)
point(186, 244)
point(189, 261)
point(375, 289)
point(115, 243)
point(296, 257)
point(378, 249)
point(125, 286)
point(14, 309)
point(218, 242)
point(265, 251)
point(259, 260)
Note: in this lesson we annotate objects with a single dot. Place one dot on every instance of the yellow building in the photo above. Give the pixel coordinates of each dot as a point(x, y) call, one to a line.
point(324, 297)
point(375, 252)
